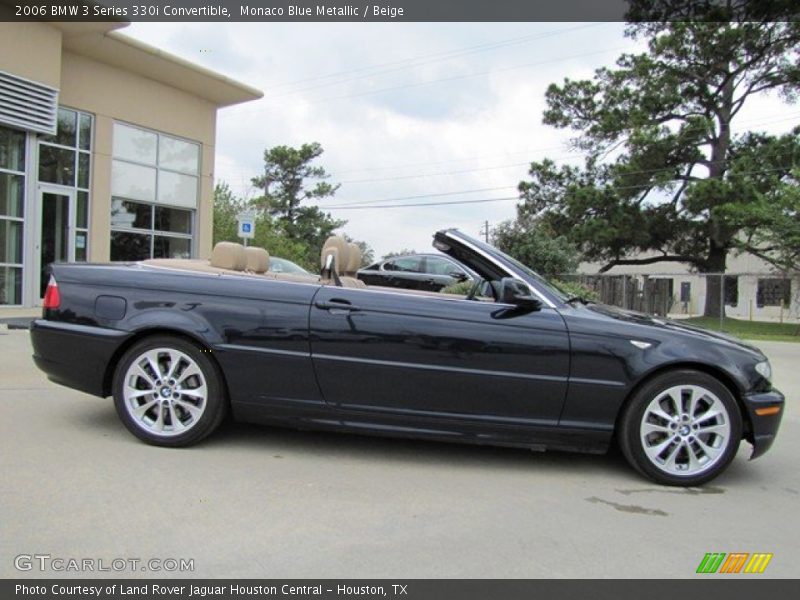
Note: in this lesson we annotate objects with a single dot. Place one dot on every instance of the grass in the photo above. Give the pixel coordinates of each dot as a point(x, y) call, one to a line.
point(751, 330)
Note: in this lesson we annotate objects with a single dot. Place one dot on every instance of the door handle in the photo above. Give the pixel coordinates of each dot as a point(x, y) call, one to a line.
point(337, 306)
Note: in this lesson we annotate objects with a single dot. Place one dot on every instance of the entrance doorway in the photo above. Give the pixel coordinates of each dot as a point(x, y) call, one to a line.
point(56, 223)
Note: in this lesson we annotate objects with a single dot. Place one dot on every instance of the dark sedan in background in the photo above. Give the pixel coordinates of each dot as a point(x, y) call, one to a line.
point(427, 272)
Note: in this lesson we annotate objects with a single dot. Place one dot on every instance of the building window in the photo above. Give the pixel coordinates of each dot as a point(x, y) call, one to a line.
point(773, 291)
point(731, 290)
point(65, 159)
point(12, 214)
point(154, 187)
point(140, 231)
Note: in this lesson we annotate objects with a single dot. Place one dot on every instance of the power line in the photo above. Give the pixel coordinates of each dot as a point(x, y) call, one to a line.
point(354, 206)
point(434, 81)
point(791, 117)
point(436, 195)
point(438, 56)
point(419, 204)
point(450, 56)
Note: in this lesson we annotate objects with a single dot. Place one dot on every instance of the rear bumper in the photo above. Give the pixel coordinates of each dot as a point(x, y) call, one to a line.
point(76, 356)
point(764, 427)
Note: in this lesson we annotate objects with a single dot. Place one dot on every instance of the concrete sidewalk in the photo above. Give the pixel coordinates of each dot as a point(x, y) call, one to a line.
point(18, 318)
point(267, 502)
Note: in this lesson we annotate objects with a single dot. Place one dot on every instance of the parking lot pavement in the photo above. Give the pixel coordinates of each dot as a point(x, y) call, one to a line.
point(267, 502)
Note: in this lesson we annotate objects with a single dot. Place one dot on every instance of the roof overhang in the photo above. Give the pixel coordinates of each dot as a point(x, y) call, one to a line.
point(123, 52)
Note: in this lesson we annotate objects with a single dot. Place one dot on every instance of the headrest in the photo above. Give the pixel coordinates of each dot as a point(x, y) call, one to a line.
point(340, 256)
point(354, 261)
point(228, 255)
point(257, 259)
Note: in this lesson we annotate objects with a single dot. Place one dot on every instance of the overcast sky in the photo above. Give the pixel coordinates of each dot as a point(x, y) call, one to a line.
point(443, 112)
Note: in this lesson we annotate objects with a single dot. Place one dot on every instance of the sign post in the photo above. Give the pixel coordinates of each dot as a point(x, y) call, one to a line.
point(246, 226)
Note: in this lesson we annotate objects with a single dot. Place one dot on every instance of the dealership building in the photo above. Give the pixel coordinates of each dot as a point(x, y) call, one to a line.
point(106, 151)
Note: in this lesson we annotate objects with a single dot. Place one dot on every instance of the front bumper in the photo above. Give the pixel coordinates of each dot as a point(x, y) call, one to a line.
point(763, 428)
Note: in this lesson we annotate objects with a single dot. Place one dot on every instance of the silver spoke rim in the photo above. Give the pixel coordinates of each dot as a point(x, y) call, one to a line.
point(165, 392)
point(685, 430)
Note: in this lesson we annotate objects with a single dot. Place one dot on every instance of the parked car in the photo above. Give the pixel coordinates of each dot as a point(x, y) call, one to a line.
point(431, 272)
point(284, 265)
point(180, 343)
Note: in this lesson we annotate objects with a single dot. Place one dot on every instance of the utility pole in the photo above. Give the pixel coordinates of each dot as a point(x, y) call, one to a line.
point(485, 231)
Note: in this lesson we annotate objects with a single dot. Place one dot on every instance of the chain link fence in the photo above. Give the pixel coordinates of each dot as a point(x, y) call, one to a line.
point(757, 297)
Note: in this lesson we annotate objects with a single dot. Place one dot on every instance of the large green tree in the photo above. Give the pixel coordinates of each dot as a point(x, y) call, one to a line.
point(664, 175)
point(533, 243)
point(292, 186)
point(268, 234)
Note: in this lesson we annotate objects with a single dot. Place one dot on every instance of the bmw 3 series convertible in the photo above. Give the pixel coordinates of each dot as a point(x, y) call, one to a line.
point(180, 343)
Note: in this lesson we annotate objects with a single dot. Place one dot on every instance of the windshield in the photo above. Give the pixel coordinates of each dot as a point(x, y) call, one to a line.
point(541, 281)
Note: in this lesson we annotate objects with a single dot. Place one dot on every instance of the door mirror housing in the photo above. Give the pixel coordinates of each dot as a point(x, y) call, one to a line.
point(515, 292)
point(458, 275)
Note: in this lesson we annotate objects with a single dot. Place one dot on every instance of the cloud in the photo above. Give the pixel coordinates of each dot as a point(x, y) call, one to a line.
point(415, 108)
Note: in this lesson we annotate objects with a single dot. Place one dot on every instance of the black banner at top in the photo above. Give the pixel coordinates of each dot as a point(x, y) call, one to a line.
point(397, 10)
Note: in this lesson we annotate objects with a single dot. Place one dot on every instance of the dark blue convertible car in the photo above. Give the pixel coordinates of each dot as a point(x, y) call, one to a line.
point(181, 343)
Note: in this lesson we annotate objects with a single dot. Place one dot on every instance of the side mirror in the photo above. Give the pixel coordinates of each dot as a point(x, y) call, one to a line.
point(458, 275)
point(515, 292)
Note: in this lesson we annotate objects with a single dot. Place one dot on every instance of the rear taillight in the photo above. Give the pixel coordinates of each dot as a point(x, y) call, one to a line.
point(52, 299)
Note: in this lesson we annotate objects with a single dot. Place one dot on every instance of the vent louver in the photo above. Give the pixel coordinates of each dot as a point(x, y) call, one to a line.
point(27, 105)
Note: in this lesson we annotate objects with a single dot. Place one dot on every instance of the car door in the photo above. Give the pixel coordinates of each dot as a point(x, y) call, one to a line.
point(403, 272)
point(439, 357)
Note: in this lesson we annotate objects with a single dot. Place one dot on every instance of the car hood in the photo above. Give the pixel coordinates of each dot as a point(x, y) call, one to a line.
point(667, 325)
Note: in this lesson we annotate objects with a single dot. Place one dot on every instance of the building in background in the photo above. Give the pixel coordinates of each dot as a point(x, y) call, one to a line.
point(752, 289)
point(106, 151)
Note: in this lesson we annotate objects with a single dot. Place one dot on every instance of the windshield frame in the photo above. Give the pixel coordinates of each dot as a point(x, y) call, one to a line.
point(539, 284)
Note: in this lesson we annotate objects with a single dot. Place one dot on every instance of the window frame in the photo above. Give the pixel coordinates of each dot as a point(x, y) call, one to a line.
point(76, 187)
point(19, 267)
point(152, 232)
point(785, 294)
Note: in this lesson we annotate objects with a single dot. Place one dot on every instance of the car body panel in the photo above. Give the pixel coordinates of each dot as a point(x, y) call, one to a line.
point(473, 359)
point(394, 362)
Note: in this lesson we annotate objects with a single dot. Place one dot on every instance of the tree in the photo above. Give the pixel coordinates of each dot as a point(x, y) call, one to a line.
point(367, 253)
point(226, 207)
point(290, 179)
point(533, 243)
point(267, 235)
point(679, 188)
point(403, 252)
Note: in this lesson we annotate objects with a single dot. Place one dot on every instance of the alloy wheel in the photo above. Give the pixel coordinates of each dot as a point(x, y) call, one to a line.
point(165, 392)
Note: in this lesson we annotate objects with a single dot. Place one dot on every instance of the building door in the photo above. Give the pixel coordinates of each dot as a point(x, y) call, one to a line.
point(54, 242)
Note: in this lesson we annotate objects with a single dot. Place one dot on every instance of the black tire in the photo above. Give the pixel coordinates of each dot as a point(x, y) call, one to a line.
point(189, 426)
point(632, 430)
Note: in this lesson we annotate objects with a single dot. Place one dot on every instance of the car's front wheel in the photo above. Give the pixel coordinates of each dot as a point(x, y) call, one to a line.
point(168, 392)
point(681, 428)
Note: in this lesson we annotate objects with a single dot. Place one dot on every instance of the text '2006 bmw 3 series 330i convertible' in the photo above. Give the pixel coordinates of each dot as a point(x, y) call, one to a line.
point(180, 343)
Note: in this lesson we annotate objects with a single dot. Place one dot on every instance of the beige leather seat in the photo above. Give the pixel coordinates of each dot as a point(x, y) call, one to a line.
point(257, 260)
point(344, 255)
point(353, 264)
point(228, 255)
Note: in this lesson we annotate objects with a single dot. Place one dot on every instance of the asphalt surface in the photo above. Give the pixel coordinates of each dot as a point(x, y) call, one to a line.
point(266, 502)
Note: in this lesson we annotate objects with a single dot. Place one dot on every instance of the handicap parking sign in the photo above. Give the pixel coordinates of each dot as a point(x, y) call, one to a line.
point(247, 225)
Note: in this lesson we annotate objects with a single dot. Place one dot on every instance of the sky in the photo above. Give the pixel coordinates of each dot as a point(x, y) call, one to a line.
point(407, 113)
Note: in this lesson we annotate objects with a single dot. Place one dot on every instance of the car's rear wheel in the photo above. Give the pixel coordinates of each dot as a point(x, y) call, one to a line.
point(681, 428)
point(168, 392)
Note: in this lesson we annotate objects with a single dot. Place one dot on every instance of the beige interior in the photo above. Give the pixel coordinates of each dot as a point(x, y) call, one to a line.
point(246, 262)
point(229, 255)
point(257, 260)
